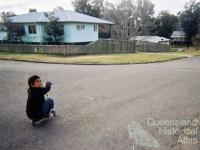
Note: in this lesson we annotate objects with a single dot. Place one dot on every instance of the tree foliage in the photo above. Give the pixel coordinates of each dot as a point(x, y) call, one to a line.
point(89, 7)
point(53, 29)
point(145, 12)
point(124, 18)
point(190, 19)
point(32, 10)
point(58, 8)
point(14, 31)
point(166, 23)
point(131, 19)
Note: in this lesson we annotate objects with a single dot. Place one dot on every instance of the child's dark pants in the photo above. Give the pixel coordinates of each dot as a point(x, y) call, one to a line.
point(48, 105)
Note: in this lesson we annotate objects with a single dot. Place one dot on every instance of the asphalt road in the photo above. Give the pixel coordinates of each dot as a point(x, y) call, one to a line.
point(101, 107)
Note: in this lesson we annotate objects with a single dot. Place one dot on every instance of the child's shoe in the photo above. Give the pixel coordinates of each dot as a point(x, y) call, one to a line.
point(33, 123)
point(53, 112)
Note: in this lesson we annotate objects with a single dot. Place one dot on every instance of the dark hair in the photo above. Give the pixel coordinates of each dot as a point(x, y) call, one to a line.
point(32, 79)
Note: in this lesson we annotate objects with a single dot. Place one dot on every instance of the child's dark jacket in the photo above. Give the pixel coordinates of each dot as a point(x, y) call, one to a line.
point(36, 98)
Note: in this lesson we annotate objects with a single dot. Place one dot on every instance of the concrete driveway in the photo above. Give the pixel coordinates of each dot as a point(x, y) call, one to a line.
point(119, 107)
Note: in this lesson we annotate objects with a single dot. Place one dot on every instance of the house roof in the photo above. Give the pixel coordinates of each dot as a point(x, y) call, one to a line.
point(63, 15)
point(176, 34)
point(153, 39)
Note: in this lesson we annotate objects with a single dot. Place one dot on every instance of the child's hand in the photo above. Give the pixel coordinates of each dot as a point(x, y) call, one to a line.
point(48, 84)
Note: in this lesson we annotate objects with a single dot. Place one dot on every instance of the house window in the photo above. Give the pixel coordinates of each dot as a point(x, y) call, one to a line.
point(80, 27)
point(32, 29)
point(95, 28)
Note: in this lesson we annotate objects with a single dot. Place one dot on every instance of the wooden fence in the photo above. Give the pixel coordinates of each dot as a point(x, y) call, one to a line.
point(151, 47)
point(45, 49)
point(98, 47)
point(110, 46)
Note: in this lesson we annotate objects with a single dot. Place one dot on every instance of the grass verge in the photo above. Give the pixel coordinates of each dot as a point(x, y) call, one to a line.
point(132, 58)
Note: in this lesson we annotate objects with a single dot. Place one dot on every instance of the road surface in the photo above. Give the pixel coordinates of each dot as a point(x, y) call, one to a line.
point(105, 107)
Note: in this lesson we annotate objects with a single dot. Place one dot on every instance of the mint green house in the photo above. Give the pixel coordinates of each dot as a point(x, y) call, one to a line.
point(76, 27)
point(3, 33)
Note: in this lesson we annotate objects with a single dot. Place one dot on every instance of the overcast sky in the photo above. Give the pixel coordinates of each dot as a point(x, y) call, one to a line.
point(22, 6)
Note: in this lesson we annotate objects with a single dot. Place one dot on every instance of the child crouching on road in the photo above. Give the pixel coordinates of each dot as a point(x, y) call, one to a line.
point(37, 106)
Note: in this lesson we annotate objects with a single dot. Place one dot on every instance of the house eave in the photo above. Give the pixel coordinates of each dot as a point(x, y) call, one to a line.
point(65, 22)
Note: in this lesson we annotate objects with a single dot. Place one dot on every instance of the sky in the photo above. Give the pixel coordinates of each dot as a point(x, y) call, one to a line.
point(22, 6)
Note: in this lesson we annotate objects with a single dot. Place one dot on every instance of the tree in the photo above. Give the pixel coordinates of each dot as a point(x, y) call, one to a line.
point(190, 19)
point(130, 19)
point(53, 29)
point(145, 12)
point(165, 24)
point(97, 8)
point(32, 10)
point(58, 8)
point(7, 23)
point(124, 17)
point(88, 7)
point(18, 31)
point(14, 31)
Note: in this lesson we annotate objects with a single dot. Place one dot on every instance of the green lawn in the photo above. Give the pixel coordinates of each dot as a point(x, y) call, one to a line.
point(132, 58)
point(191, 52)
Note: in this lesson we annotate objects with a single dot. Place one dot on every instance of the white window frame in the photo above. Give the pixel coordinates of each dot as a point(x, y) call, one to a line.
point(32, 29)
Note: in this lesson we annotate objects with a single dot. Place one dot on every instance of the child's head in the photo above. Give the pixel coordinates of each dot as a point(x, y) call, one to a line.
point(35, 81)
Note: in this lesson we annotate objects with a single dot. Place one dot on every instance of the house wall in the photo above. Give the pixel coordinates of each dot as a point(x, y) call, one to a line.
point(164, 42)
point(37, 38)
point(3, 34)
point(73, 35)
point(178, 39)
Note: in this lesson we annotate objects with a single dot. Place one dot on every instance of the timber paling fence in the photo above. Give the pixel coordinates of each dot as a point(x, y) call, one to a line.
point(100, 46)
point(142, 46)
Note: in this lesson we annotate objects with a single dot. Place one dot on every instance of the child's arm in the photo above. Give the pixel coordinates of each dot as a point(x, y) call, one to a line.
point(46, 88)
